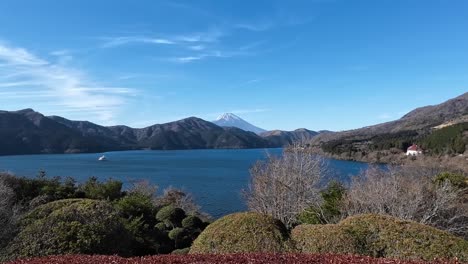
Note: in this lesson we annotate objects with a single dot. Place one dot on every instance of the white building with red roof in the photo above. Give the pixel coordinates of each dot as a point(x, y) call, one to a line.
point(414, 150)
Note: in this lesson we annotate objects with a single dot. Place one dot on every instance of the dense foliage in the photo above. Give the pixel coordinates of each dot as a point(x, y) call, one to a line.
point(71, 227)
point(380, 236)
point(242, 232)
point(447, 140)
point(327, 212)
point(399, 140)
point(62, 217)
point(226, 259)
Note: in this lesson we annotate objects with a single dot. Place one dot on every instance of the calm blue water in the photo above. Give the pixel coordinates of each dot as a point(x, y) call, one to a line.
point(214, 177)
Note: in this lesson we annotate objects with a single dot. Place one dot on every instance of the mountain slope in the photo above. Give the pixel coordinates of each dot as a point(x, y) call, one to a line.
point(284, 138)
point(395, 136)
point(29, 132)
point(231, 120)
point(196, 133)
point(454, 110)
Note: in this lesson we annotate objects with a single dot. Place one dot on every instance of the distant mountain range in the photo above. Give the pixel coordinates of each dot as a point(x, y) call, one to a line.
point(441, 128)
point(231, 120)
point(30, 132)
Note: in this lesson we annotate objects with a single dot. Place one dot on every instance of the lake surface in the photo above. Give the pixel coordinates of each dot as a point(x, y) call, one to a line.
point(214, 177)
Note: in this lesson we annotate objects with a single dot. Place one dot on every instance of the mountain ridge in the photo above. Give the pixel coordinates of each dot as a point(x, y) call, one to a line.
point(29, 132)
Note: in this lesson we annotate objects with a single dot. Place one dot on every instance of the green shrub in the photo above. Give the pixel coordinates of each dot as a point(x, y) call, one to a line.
point(329, 211)
point(171, 215)
point(136, 205)
point(242, 232)
point(45, 210)
point(182, 251)
point(161, 226)
point(455, 179)
point(26, 189)
point(193, 222)
point(109, 190)
point(380, 236)
point(71, 227)
point(180, 236)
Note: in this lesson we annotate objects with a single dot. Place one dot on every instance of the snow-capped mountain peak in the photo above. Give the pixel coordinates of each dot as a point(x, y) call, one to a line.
point(232, 120)
point(228, 116)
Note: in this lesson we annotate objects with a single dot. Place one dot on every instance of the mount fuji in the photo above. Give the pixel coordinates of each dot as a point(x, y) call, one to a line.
point(231, 120)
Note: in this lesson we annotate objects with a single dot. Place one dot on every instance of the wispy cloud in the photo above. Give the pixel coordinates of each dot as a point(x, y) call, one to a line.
point(197, 47)
point(28, 76)
point(191, 40)
point(209, 54)
point(259, 26)
point(110, 42)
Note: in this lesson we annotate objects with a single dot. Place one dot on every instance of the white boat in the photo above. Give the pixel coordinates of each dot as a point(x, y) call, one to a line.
point(102, 158)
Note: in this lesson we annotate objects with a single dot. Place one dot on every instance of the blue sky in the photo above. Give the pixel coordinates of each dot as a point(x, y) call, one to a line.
point(319, 64)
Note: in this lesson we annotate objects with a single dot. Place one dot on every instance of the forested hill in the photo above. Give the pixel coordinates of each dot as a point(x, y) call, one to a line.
point(439, 129)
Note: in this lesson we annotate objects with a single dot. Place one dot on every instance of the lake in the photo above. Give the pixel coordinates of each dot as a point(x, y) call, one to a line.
point(214, 177)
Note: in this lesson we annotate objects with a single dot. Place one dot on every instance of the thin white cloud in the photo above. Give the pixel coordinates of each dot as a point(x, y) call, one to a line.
point(187, 59)
point(259, 26)
point(194, 46)
point(197, 47)
point(215, 54)
point(110, 42)
point(210, 54)
point(19, 56)
point(212, 35)
point(191, 39)
point(30, 77)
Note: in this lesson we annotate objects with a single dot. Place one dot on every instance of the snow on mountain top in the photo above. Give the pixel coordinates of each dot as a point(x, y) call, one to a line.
point(231, 120)
point(228, 116)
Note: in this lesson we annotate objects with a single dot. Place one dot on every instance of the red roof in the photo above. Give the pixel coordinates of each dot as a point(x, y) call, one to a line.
point(414, 147)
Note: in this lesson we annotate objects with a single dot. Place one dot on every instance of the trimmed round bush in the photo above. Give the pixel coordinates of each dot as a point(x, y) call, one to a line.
point(161, 226)
point(136, 204)
point(242, 232)
point(323, 239)
point(171, 215)
point(380, 236)
point(192, 221)
point(176, 233)
point(71, 227)
point(46, 209)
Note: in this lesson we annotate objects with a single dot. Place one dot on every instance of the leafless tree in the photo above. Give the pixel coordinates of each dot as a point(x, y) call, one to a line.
point(180, 199)
point(143, 187)
point(285, 186)
point(410, 193)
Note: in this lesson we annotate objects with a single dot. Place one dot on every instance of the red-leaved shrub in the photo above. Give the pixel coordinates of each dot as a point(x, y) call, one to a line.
point(221, 258)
